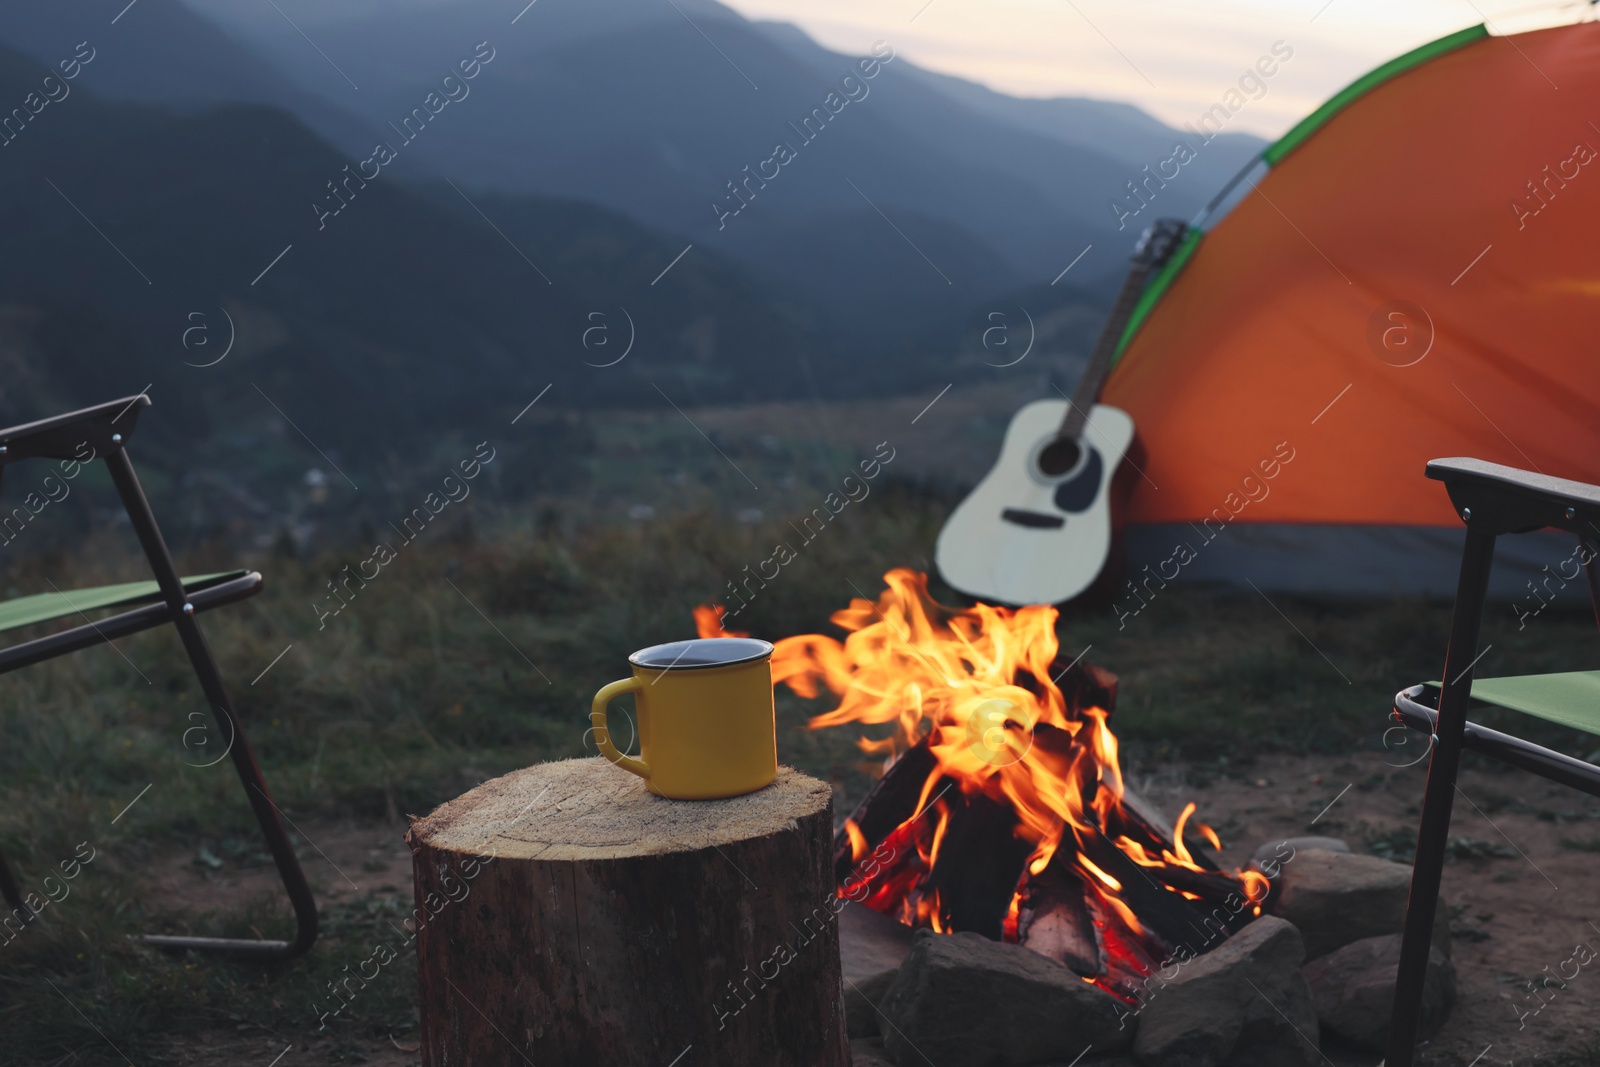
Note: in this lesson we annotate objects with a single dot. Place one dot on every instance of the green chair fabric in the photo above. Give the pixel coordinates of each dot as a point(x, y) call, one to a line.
point(132, 607)
point(1571, 698)
point(1493, 501)
point(43, 607)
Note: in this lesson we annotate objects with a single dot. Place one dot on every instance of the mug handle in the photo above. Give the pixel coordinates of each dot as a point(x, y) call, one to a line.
point(602, 734)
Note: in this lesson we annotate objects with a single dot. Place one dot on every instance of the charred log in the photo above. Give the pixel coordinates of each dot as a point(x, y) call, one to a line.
point(1067, 912)
point(1161, 908)
point(979, 863)
point(1053, 919)
point(893, 797)
point(891, 801)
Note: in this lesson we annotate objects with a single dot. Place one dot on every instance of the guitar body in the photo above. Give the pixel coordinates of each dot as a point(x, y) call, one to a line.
point(1025, 537)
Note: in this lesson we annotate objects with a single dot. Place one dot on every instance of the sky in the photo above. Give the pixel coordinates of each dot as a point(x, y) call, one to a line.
point(1173, 59)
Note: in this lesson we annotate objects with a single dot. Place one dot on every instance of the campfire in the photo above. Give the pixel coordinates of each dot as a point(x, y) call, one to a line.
point(1001, 795)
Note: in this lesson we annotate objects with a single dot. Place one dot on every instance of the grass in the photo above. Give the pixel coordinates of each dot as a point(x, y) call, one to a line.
point(1578, 844)
point(1586, 1055)
point(475, 652)
point(1401, 846)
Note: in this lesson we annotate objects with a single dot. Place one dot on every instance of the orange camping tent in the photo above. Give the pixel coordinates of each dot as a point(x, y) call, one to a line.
point(1411, 272)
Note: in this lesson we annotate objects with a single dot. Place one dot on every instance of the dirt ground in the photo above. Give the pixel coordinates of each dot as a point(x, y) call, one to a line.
point(344, 862)
point(213, 1051)
point(1521, 898)
point(1521, 893)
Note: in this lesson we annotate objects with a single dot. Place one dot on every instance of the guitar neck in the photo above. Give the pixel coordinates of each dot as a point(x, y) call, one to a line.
point(1105, 347)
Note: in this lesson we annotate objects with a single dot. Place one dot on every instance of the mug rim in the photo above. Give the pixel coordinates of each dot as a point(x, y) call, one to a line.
point(756, 650)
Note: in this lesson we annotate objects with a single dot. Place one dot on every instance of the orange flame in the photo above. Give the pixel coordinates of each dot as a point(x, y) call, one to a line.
point(708, 622)
point(858, 840)
point(975, 684)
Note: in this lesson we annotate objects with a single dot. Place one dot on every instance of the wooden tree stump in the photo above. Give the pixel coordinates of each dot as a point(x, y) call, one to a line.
point(566, 915)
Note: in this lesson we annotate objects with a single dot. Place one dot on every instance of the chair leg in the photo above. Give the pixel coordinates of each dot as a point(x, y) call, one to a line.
point(1588, 549)
point(244, 761)
point(1438, 798)
point(1423, 904)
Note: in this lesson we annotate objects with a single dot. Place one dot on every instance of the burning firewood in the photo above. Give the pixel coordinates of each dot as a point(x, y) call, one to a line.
point(1002, 794)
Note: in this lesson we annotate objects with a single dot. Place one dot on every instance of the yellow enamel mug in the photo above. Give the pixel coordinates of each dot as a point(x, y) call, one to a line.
point(706, 726)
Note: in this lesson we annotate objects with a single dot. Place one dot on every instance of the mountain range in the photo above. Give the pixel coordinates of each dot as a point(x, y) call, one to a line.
point(755, 212)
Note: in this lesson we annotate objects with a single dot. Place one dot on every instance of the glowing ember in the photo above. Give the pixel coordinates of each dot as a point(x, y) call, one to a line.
point(970, 693)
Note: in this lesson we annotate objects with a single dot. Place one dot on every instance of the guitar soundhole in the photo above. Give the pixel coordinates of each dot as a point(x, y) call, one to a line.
point(1059, 457)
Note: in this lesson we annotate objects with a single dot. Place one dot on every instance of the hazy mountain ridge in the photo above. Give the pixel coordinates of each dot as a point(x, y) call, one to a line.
point(382, 315)
point(656, 121)
point(160, 52)
point(403, 316)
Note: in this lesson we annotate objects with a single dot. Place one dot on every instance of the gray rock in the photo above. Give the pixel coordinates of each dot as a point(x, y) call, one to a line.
point(1244, 1002)
point(861, 1000)
point(868, 1052)
point(961, 1000)
point(870, 942)
point(1354, 990)
point(1338, 898)
point(1273, 854)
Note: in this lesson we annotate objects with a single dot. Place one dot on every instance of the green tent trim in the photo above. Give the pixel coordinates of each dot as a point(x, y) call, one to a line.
point(1309, 125)
point(1275, 152)
point(1154, 291)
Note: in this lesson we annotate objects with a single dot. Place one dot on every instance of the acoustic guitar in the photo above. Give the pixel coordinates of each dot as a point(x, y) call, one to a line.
point(1037, 529)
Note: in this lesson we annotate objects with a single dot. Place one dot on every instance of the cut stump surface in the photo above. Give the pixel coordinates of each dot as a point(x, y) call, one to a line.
point(568, 915)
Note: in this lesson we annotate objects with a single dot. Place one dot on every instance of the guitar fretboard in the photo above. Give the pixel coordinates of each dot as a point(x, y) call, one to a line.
point(1154, 248)
point(1099, 366)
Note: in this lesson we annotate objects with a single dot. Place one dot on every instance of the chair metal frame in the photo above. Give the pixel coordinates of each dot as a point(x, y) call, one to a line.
point(106, 427)
point(1492, 500)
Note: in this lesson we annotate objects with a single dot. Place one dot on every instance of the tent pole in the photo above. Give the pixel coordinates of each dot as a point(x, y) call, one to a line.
point(1205, 213)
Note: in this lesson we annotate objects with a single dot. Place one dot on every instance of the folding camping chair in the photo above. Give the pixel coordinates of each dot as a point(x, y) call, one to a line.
point(1491, 500)
point(169, 599)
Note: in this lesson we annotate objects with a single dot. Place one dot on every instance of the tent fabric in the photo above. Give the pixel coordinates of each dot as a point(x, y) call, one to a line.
point(1418, 277)
point(1350, 561)
point(1365, 84)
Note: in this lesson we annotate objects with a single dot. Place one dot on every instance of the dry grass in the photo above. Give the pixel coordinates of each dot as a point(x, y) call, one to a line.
point(476, 652)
